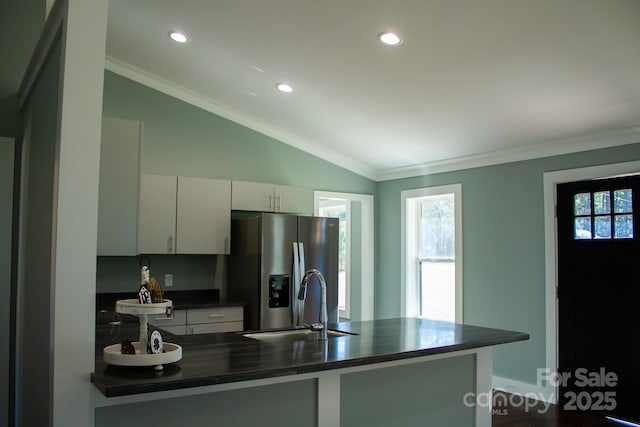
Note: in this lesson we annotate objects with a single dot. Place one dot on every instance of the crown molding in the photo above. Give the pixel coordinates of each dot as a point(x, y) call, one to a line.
point(176, 91)
point(547, 149)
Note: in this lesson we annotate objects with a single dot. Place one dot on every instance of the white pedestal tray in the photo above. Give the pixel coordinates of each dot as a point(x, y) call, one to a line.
point(172, 352)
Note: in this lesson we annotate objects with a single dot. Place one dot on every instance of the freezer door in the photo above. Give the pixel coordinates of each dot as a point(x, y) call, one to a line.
point(276, 284)
point(319, 237)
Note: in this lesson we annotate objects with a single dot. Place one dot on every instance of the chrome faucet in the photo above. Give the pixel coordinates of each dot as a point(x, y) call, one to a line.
point(320, 327)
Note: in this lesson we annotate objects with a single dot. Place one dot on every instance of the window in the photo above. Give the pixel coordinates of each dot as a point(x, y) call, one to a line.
point(432, 276)
point(596, 219)
point(340, 208)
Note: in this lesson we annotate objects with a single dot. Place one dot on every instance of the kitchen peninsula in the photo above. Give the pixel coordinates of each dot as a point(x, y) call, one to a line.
point(388, 372)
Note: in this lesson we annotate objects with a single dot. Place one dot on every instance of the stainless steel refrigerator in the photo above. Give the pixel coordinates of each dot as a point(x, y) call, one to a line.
point(269, 255)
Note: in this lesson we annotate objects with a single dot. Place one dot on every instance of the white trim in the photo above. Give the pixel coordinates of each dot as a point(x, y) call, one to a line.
point(484, 367)
point(329, 399)
point(532, 391)
point(551, 179)
point(208, 104)
point(548, 149)
point(367, 245)
point(408, 275)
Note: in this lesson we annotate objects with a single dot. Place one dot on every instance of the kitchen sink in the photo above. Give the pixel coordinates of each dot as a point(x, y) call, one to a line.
point(294, 335)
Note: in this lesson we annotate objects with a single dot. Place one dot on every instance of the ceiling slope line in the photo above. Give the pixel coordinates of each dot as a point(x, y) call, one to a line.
point(547, 149)
point(179, 92)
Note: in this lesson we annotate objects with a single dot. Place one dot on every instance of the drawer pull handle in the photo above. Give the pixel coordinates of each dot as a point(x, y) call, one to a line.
point(163, 318)
point(216, 315)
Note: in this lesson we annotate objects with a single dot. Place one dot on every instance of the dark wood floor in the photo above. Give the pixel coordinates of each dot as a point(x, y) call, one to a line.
point(533, 414)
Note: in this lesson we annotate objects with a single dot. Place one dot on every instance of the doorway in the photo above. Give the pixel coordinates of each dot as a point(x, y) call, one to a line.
point(359, 255)
point(598, 341)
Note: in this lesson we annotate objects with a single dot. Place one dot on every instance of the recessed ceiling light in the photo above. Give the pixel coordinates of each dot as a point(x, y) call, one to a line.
point(179, 37)
point(283, 87)
point(389, 38)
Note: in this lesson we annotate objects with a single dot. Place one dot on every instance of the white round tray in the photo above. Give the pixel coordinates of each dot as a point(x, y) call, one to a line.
point(133, 306)
point(172, 353)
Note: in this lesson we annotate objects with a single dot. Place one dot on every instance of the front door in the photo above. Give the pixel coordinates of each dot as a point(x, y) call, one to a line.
point(598, 306)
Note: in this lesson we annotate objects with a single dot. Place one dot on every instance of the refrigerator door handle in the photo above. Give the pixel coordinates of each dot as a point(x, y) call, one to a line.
point(295, 286)
point(301, 271)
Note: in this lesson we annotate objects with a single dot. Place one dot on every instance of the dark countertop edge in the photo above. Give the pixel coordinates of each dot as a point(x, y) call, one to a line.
point(126, 390)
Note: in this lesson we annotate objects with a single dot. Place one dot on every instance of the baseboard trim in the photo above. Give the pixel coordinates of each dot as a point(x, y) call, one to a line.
point(546, 394)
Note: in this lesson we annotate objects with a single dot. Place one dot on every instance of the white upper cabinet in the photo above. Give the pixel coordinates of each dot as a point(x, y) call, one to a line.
point(184, 215)
point(293, 199)
point(258, 196)
point(157, 224)
point(120, 148)
point(252, 196)
point(203, 223)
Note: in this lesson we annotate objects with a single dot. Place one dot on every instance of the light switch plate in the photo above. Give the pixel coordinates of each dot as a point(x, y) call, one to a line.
point(168, 279)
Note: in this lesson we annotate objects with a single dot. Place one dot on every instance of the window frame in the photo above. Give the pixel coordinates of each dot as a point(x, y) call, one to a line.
point(410, 283)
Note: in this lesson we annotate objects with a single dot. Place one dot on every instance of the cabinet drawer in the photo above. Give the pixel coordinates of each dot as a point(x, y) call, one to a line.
point(210, 328)
point(160, 320)
point(175, 330)
point(214, 315)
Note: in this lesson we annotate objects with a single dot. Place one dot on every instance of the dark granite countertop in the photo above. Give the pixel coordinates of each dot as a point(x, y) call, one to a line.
point(229, 357)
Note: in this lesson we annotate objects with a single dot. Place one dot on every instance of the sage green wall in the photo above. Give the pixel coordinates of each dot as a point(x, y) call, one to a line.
point(20, 25)
point(181, 139)
point(503, 248)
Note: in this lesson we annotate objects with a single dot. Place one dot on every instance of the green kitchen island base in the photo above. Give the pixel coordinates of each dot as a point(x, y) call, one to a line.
point(435, 390)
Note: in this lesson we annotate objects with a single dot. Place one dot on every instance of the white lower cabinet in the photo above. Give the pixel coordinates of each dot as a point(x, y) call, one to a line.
point(201, 320)
point(210, 320)
point(176, 324)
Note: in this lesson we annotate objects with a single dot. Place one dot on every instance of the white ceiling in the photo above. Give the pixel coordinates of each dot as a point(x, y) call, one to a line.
point(471, 77)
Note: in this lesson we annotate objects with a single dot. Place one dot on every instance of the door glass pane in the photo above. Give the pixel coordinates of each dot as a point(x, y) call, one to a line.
point(582, 228)
point(601, 203)
point(602, 226)
point(622, 201)
point(582, 204)
point(623, 227)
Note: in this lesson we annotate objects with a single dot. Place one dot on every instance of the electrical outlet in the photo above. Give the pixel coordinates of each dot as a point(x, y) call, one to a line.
point(168, 279)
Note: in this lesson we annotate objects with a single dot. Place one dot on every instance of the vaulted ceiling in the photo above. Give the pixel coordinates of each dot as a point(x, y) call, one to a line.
point(471, 79)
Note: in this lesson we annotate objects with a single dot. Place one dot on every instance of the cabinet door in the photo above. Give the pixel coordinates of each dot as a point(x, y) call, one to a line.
point(252, 196)
point(157, 219)
point(203, 222)
point(293, 199)
point(119, 186)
